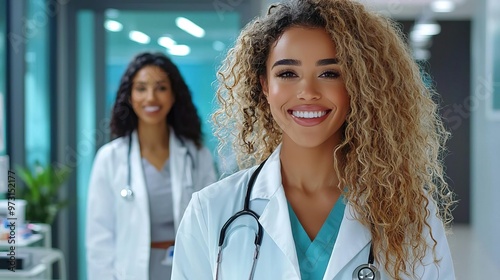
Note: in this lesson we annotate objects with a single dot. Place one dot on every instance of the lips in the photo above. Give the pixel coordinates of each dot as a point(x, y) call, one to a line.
point(309, 115)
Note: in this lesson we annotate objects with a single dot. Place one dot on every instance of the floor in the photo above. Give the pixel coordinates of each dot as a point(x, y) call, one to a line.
point(468, 256)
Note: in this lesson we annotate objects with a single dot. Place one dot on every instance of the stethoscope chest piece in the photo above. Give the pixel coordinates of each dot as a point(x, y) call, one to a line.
point(366, 272)
point(127, 193)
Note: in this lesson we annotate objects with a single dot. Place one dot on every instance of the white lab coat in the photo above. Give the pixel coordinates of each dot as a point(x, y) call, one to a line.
point(197, 238)
point(118, 237)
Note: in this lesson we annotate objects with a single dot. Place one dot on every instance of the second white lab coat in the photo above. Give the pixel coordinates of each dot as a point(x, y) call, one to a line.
point(118, 237)
point(197, 238)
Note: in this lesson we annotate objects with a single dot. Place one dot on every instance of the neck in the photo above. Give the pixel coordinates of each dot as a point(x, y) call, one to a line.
point(308, 169)
point(153, 137)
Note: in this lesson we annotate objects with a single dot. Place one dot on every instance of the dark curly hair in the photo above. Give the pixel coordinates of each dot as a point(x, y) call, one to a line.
point(183, 116)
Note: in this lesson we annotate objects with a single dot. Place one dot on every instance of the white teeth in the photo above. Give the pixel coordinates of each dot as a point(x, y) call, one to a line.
point(151, 108)
point(308, 114)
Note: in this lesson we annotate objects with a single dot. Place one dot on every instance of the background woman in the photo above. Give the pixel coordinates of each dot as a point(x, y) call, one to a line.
point(142, 181)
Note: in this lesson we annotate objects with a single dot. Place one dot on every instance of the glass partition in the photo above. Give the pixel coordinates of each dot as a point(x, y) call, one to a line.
point(36, 82)
point(3, 94)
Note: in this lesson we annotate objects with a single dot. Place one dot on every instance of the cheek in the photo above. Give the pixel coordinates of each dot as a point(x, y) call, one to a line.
point(279, 94)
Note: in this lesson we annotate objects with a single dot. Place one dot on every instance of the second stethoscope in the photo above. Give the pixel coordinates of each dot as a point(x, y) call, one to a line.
point(127, 192)
point(366, 271)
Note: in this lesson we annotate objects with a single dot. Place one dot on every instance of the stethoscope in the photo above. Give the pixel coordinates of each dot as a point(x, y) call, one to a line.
point(366, 271)
point(127, 192)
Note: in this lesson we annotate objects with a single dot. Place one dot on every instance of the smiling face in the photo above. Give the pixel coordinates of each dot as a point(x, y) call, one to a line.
point(305, 89)
point(152, 96)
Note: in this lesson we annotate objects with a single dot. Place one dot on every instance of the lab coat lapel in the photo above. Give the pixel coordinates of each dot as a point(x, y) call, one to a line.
point(177, 170)
point(352, 238)
point(275, 218)
point(138, 182)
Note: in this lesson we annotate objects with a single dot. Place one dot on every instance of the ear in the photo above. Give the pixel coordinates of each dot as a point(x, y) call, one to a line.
point(263, 84)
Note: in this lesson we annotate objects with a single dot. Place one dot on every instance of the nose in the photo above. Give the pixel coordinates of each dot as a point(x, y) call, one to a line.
point(309, 90)
point(150, 94)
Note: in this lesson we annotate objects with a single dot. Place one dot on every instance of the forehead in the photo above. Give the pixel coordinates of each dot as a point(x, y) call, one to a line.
point(151, 72)
point(303, 43)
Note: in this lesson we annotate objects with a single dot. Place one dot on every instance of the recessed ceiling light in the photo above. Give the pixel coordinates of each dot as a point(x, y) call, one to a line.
point(190, 27)
point(113, 25)
point(179, 50)
point(218, 46)
point(112, 13)
point(442, 6)
point(166, 42)
point(421, 54)
point(427, 29)
point(139, 37)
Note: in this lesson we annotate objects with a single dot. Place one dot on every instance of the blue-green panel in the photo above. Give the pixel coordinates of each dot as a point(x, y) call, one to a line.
point(496, 65)
point(36, 82)
point(3, 94)
point(85, 123)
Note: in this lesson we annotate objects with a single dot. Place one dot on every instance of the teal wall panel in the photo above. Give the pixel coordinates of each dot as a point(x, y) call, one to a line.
point(86, 129)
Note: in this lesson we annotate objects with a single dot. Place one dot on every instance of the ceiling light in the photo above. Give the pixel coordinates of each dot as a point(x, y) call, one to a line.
point(190, 27)
point(417, 37)
point(442, 6)
point(421, 54)
point(112, 13)
point(218, 46)
point(166, 42)
point(179, 50)
point(113, 25)
point(139, 37)
point(427, 29)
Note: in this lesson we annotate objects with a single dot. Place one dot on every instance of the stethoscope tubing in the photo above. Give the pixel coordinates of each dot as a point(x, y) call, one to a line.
point(127, 193)
point(371, 272)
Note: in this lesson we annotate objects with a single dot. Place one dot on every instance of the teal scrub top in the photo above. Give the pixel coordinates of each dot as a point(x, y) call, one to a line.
point(314, 255)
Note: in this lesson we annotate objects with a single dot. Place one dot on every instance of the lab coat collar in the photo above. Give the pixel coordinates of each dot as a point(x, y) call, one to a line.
point(352, 238)
point(176, 146)
point(275, 220)
point(178, 151)
point(138, 181)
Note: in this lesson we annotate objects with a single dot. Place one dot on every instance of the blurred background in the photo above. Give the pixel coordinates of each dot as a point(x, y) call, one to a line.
point(60, 64)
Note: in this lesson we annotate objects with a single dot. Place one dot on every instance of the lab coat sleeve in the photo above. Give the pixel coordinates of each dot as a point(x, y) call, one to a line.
point(191, 255)
point(207, 171)
point(443, 270)
point(100, 223)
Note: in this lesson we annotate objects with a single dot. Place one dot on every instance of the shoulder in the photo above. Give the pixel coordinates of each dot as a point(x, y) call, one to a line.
point(116, 146)
point(228, 189)
point(199, 153)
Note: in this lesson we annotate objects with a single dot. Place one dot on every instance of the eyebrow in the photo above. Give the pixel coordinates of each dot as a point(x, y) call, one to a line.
point(327, 61)
point(295, 62)
point(143, 82)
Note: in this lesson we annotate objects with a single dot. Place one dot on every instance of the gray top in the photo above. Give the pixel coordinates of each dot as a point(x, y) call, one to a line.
point(161, 212)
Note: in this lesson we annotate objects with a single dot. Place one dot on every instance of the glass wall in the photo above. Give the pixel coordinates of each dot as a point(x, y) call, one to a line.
point(495, 37)
point(3, 94)
point(36, 82)
point(85, 121)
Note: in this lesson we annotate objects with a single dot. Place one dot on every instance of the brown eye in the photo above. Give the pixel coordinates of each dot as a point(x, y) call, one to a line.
point(330, 74)
point(286, 74)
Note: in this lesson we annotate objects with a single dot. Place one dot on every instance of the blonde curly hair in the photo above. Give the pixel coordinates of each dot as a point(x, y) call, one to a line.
point(391, 154)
